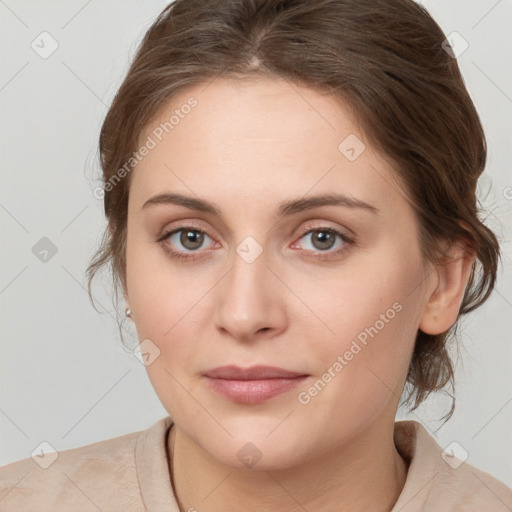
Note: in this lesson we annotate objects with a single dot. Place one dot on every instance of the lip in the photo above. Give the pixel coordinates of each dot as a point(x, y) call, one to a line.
point(233, 372)
point(252, 385)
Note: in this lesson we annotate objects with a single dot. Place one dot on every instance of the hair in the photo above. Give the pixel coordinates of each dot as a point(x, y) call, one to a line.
point(385, 59)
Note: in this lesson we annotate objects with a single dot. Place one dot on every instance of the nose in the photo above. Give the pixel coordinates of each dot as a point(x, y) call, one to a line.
point(250, 301)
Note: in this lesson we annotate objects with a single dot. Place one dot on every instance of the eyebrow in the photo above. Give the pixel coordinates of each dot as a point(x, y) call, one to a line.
point(286, 208)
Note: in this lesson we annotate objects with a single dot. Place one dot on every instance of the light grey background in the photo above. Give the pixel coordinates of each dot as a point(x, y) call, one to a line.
point(65, 377)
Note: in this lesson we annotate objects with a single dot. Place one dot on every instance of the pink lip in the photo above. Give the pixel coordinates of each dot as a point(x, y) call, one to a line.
point(252, 385)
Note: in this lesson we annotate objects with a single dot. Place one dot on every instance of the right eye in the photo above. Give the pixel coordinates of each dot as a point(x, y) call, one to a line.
point(189, 237)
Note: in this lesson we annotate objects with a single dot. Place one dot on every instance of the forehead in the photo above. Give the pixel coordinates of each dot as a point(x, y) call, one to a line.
point(232, 140)
point(257, 113)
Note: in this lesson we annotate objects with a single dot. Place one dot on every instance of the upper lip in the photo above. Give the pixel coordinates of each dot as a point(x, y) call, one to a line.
point(253, 373)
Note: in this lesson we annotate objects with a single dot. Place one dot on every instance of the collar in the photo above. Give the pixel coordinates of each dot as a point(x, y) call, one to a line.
point(411, 439)
point(153, 469)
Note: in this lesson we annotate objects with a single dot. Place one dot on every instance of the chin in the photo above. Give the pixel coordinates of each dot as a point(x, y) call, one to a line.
point(256, 458)
point(254, 449)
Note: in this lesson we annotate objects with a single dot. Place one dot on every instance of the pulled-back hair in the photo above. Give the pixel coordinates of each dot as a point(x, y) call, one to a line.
point(385, 59)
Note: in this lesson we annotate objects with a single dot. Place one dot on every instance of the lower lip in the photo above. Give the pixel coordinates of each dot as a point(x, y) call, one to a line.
point(253, 391)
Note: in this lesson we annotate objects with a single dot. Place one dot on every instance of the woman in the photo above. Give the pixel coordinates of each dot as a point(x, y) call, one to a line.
point(290, 194)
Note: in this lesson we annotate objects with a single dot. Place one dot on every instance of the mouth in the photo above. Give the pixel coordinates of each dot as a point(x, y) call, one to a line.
point(252, 385)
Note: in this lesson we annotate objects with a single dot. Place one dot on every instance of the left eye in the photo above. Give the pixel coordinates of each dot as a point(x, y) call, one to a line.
point(323, 239)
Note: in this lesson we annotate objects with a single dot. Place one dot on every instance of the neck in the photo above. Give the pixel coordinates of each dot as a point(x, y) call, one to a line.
point(366, 474)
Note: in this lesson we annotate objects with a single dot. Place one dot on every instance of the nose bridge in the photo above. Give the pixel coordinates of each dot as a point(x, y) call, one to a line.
point(248, 279)
point(248, 299)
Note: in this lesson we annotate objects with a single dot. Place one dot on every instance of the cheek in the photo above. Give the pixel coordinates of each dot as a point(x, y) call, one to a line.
point(169, 310)
point(372, 344)
point(362, 368)
point(158, 293)
point(372, 313)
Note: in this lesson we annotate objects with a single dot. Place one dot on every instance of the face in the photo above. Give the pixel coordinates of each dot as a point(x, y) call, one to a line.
point(333, 292)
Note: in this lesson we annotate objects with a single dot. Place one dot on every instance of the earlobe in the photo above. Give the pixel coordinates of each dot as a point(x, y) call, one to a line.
point(127, 311)
point(443, 304)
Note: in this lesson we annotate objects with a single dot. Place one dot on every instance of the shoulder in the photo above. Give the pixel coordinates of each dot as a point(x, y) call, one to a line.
point(440, 480)
point(102, 475)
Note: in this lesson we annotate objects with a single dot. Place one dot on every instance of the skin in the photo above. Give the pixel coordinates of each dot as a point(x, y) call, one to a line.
point(248, 147)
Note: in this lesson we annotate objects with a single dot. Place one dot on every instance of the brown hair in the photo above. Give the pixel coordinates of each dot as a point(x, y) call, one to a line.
point(385, 59)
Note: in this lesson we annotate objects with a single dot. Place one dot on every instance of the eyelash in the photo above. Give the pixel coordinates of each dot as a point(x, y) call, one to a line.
point(321, 255)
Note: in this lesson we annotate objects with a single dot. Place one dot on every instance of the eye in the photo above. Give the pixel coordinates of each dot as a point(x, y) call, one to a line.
point(322, 239)
point(189, 237)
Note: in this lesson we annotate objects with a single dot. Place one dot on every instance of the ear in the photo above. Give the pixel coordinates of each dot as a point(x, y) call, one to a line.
point(443, 304)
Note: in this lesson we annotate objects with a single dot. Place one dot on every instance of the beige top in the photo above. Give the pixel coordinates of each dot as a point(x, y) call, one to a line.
point(130, 473)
